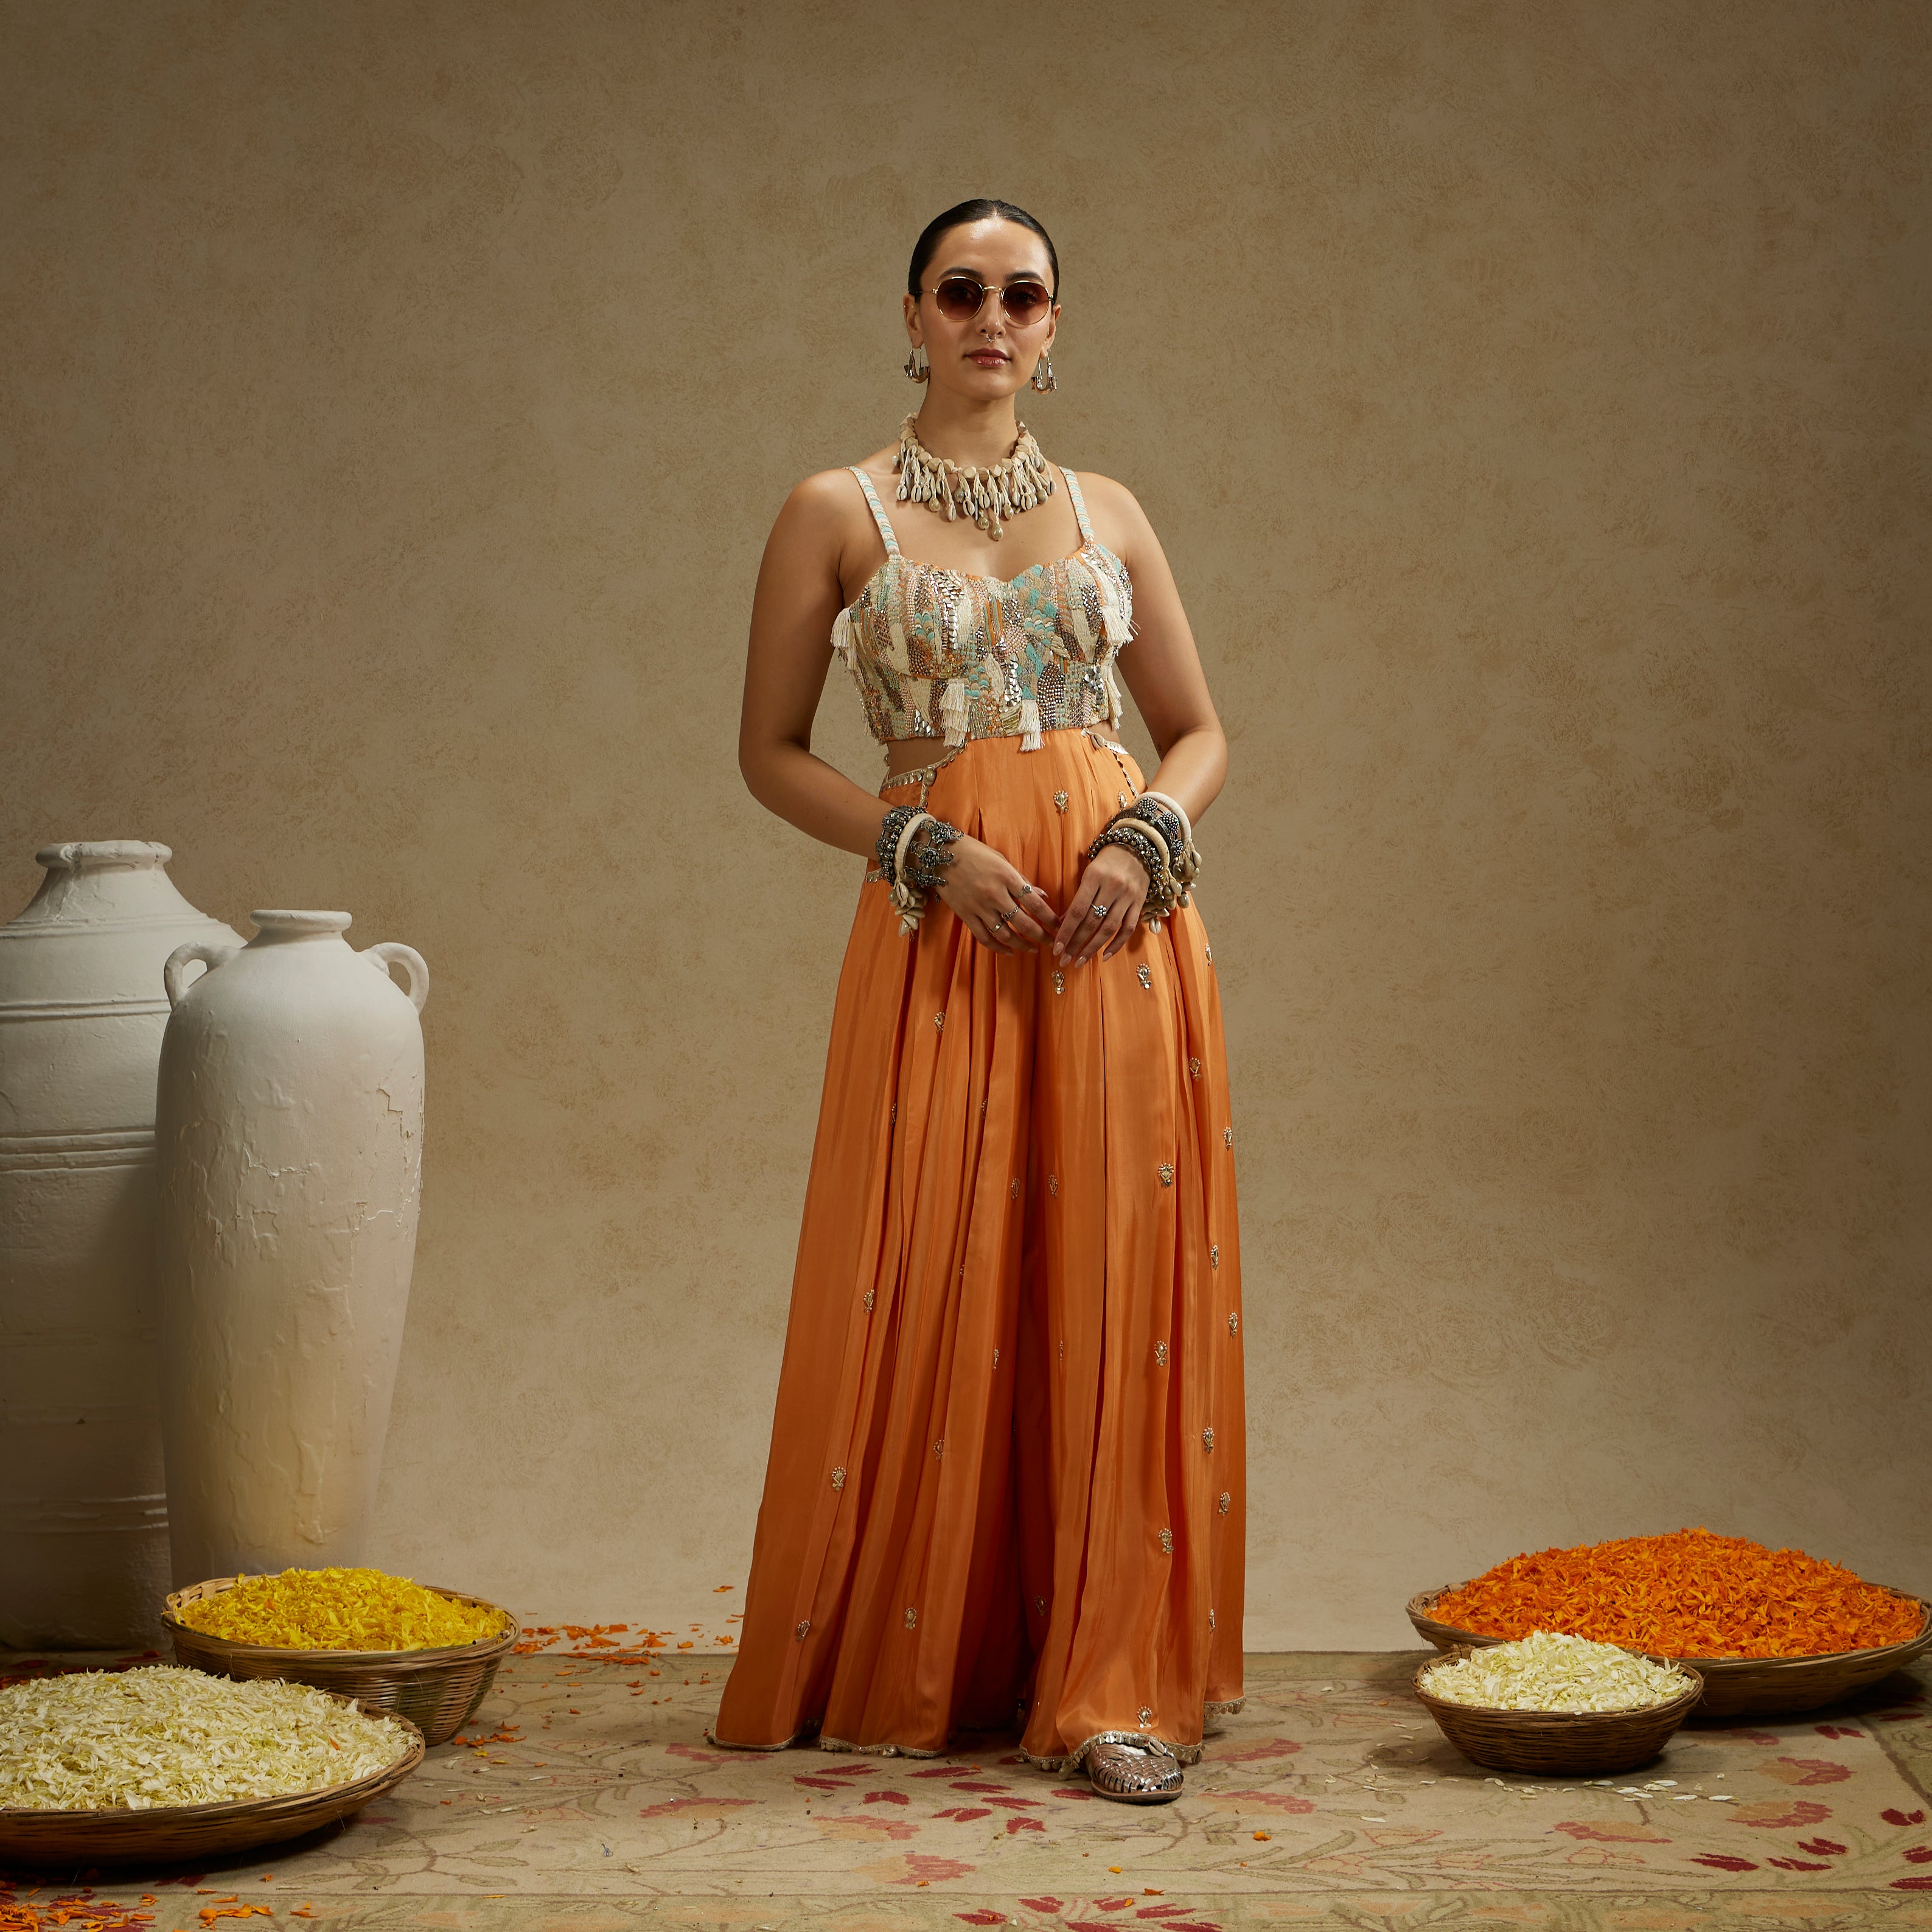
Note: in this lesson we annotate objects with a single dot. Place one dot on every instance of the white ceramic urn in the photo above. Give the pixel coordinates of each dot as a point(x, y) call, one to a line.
point(289, 1133)
point(83, 1517)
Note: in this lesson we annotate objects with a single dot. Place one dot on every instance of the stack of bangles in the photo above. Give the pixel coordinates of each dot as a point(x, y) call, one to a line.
point(912, 855)
point(1156, 830)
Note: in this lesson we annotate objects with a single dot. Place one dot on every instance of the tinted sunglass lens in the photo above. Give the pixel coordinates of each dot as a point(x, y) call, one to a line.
point(1026, 302)
point(959, 298)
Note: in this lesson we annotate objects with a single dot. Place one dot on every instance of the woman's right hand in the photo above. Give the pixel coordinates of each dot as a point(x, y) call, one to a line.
point(1002, 909)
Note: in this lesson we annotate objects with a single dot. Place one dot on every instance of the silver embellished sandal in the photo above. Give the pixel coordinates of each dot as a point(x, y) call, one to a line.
point(1141, 1772)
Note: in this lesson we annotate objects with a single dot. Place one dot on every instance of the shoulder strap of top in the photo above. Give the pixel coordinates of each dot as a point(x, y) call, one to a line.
point(878, 514)
point(1079, 506)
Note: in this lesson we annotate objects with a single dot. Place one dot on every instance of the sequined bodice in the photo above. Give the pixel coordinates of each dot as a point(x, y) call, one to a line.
point(937, 653)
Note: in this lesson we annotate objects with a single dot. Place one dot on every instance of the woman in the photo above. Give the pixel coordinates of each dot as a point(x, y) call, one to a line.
point(1005, 1487)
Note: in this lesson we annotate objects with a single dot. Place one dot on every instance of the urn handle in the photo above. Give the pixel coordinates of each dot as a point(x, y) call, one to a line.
point(211, 954)
point(393, 952)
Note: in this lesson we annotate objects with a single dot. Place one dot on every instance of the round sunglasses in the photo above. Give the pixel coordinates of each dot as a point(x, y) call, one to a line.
point(961, 297)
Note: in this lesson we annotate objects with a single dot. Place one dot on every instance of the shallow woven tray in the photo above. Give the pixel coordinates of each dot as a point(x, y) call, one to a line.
point(165, 1833)
point(1740, 1686)
point(1573, 1744)
point(435, 1689)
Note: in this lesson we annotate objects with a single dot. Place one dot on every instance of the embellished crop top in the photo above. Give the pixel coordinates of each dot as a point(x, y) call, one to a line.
point(937, 653)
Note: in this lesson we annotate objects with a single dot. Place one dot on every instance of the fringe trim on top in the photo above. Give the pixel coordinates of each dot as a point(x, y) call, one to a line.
point(1116, 622)
point(1029, 724)
point(845, 645)
point(842, 639)
point(952, 711)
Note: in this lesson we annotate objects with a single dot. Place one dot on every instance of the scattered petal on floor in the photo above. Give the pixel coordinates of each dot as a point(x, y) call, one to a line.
point(641, 1817)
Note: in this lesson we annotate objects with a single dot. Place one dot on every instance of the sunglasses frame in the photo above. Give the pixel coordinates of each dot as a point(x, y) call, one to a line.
point(992, 288)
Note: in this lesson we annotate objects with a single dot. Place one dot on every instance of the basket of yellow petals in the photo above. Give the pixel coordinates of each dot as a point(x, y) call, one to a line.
point(428, 1654)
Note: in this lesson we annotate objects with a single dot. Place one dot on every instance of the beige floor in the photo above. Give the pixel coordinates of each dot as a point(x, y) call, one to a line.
point(591, 1801)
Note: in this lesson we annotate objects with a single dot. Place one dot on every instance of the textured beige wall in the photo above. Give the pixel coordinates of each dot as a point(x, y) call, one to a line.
point(1532, 400)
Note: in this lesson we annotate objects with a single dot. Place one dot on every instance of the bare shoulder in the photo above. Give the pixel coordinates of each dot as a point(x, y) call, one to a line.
point(831, 498)
point(823, 491)
point(823, 511)
point(1115, 511)
point(822, 535)
point(1099, 489)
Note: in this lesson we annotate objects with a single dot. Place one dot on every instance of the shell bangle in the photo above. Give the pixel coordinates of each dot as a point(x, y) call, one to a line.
point(1187, 862)
point(887, 851)
point(913, 885)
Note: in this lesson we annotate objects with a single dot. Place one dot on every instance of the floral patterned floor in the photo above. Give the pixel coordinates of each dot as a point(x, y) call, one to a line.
point(587, 1798)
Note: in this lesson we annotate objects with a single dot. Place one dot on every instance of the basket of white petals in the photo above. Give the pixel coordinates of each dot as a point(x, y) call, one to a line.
point(1564, 1705)
point(163, 1763)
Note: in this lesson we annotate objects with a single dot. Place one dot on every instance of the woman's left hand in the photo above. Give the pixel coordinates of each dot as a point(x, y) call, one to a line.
point(1116, 881)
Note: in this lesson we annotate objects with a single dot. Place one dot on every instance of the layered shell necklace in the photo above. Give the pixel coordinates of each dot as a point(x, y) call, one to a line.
point(1017, 482)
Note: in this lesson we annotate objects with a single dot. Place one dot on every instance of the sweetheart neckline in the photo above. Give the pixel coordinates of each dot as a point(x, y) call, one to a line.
point(978, 576)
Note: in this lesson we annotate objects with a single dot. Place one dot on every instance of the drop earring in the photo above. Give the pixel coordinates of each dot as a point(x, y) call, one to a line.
point(1044, 367)
point(918, 364)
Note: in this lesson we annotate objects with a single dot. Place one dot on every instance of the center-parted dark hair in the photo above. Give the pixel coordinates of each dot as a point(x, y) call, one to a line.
point(924, 249)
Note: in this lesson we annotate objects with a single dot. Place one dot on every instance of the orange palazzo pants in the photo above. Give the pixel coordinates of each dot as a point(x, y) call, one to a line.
point(1005, 1485)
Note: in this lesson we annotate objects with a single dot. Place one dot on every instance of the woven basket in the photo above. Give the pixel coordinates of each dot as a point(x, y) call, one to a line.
point(435, 1689)
point(1741, 1686)
point(1573, 1744)
point(165, 1833)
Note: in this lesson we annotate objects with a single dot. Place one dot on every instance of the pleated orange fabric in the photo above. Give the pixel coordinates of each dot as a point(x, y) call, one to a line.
point(1005, 1485)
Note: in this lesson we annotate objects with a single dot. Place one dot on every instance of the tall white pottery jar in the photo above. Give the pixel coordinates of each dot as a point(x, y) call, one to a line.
point(289, 1132)
point(83, 1518)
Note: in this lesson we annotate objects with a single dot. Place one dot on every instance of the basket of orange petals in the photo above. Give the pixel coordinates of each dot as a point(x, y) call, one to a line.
point(1769, 1631)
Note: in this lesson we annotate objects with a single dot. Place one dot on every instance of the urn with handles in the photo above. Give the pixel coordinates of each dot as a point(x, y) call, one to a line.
point(83, 1516)
point(289, 1138)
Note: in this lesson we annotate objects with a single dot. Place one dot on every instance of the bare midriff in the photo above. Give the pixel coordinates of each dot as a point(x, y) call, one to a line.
point(911, 754)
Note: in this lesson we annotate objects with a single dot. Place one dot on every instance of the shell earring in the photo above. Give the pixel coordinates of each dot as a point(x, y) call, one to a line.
point(918, 364)
point(1044, 367)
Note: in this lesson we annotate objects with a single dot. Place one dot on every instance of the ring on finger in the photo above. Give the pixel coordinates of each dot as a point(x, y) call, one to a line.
point(1096, 911)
